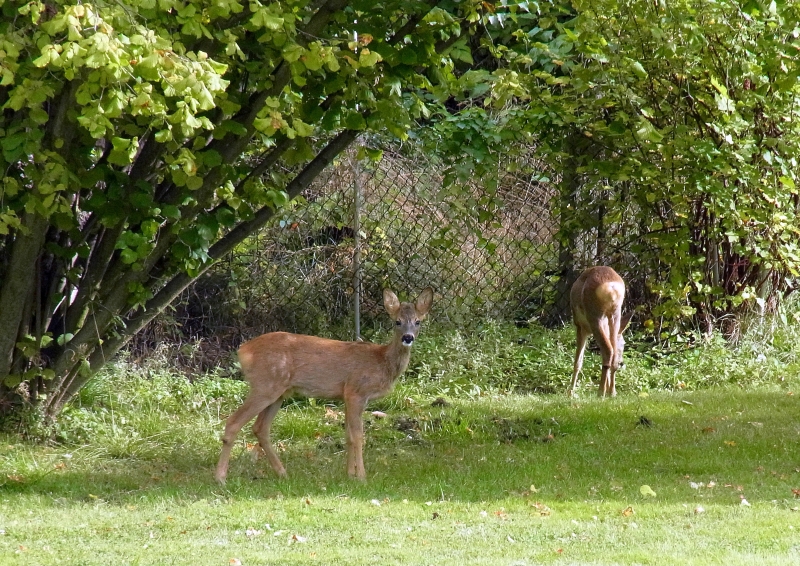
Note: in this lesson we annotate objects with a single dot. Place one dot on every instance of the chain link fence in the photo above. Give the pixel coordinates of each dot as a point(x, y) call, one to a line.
point(367, 225)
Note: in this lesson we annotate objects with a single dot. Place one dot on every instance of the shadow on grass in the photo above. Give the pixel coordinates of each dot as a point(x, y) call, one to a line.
point(715, 446)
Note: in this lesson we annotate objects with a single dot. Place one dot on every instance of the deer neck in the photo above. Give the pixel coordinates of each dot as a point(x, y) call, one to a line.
point(397, 356)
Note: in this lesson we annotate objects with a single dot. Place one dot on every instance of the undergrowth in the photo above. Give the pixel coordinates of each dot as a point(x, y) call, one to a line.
point(127, 404)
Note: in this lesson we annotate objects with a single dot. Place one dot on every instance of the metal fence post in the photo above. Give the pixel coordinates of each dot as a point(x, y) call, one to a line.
point(357, 190)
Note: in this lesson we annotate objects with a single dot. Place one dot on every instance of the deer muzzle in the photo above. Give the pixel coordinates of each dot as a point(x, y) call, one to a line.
point(408, 339)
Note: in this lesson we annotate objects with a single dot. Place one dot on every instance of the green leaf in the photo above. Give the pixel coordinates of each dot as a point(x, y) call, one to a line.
point(647, 491)
point(355, 121)
point(369, 58)
point(194, 183)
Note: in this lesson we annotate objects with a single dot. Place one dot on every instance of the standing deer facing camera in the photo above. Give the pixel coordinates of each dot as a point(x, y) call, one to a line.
point(596, 299)
point(278, 365)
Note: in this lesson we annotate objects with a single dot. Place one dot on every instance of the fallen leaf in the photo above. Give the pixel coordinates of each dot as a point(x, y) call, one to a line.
point(376, 503)
point(698, 510)
point(235, 562)
point(709, 429)
point(628, 511)
point(744, 503)
point(379, 414)
point(543, 509)
point(646, 490)
point(796, 492)
point(533, 489)
point(730, 443)
point(435, 516)
point(511, 540)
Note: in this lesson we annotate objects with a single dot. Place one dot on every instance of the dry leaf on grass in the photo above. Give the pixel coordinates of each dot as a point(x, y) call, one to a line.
point(628, 511)
point(543, 509)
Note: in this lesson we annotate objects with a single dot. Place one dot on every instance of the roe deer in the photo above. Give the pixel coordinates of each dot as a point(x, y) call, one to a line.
point(280, 364)
point(596, 299)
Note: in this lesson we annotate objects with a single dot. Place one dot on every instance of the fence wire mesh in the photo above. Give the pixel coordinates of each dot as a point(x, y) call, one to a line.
point(300, 273)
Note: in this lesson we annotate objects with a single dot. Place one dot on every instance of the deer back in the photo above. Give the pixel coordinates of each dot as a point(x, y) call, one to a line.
point(597, 293)
point(313, 366)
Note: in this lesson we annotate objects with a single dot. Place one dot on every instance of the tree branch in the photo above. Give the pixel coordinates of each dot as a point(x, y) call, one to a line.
point(178, 283)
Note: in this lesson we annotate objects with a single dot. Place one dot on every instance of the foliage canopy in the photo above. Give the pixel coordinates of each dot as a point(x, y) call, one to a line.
point(141, 141)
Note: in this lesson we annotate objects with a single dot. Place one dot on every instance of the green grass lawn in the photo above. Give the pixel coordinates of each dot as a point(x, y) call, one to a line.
point(492, 479)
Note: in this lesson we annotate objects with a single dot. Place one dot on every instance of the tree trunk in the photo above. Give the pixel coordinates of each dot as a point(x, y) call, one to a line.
point(575, 146)
point(18, 281)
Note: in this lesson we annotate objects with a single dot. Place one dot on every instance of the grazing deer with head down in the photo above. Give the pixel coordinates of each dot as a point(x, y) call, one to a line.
point(596, 299)
point(279, 364)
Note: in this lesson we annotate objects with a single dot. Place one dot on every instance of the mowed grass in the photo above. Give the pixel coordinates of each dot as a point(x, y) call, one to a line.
point(461, 469)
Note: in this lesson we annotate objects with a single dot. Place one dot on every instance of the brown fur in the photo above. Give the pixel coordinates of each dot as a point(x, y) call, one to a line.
point(279, 365)
point(596, 299)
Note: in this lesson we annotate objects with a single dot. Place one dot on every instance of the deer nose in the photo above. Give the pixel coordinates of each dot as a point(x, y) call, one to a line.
point(408, 339)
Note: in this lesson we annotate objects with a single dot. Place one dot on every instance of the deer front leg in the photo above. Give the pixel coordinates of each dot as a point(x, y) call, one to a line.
point(601, 336)
point(354, 430)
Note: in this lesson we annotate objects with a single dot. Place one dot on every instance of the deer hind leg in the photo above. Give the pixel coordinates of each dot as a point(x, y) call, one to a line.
point(601, 336)
point(354, 431)
point(249, 409)
point(613, 332)
point(261, 429)
point(581, 336)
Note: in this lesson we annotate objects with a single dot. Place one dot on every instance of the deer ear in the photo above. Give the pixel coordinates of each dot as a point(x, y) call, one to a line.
point(390, 303)
point(423, 304)
point(623, 324)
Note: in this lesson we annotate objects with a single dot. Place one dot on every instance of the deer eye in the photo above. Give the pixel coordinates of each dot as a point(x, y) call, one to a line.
point(416, 323)
point(397, 323)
